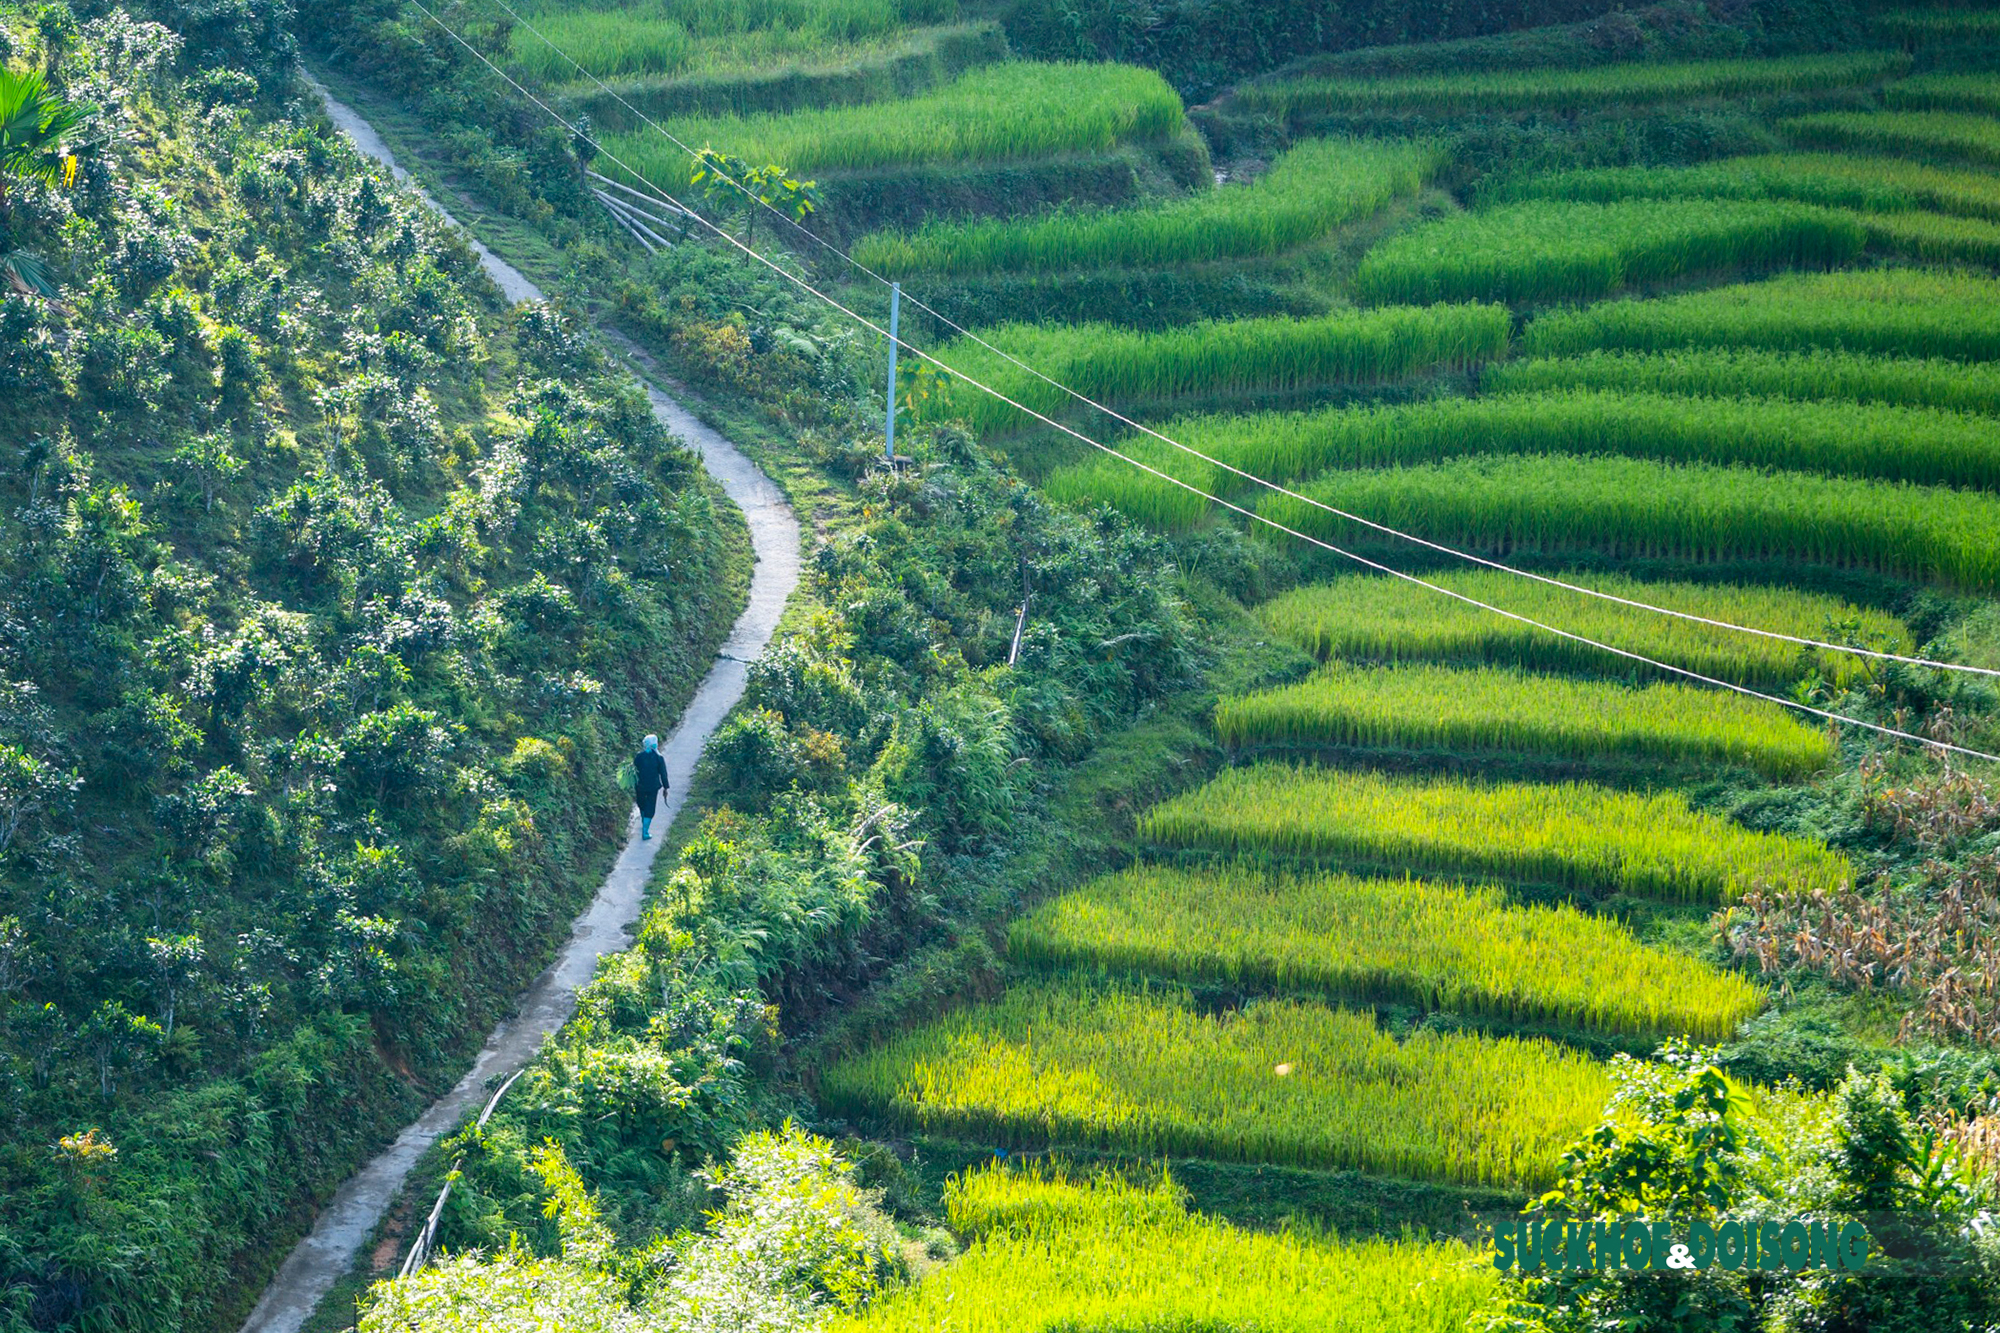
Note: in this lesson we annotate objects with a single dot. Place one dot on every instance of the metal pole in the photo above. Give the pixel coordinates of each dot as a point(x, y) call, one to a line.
point(895, 315)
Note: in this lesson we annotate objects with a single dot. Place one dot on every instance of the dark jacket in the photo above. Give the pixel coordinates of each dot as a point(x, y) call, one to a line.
point(652, 772)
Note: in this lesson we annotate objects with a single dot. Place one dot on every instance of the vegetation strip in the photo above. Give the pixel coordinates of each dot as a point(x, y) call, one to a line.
point(1941, 134)
point(1486, 708)
point(1574, 835)
point(1277, 1081)
point(1442, 946)
point(1878, 184)
point(1366, 617)
point(1747, 372)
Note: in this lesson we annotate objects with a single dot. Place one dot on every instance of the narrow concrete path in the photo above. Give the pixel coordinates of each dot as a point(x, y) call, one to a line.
point(327, 1253)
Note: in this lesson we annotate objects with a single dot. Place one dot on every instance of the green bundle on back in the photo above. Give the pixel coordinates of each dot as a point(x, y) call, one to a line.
point(1307, 193)
point(1436, 707)
point(1561, 251)
point(1276, 1081)
point(1574, 835)
point(1438, 945)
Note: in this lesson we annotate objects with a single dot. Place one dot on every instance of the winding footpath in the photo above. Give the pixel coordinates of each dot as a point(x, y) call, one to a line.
point(343, 1225)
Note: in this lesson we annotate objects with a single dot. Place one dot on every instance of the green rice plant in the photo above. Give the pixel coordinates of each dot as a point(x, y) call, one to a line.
point(1559, 251)
point(1018, 109)
point(1048, 1254)
point(1308, 192)
point(1891, 312)
point(1922, 444)
point(1636, 508)
point(1571, 89)
point(1370, 618)
point(1241, 356)
point(1573, 835)
point(1945, 92)
point(1878, 184)
point(1488, 708)
point(1441, 946)
point(1300, 1084)
point(1139, 494)
point(1726, 372)
point(1934, 134)
point(1939, 27)
point(1928, 236)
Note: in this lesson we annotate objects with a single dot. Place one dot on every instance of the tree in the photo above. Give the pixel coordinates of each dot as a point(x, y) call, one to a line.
point(176, 966)
point(112, 1031)
point(27, 787)
point(34, 122)
point(208, 460)
point(731, 185)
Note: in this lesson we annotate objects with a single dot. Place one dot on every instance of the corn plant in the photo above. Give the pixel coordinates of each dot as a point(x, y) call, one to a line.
point(1727, 372)
point(1441, 946)
point(1952, 136)
point(1631, 508)
point(1308, 192)
point(1570, 89)
point(1574, 835)
point(1561, 251)
point(1146, 1072)
point(1243, 356)
point(1492, 709)
point(1892, 312)
point(1364, 617)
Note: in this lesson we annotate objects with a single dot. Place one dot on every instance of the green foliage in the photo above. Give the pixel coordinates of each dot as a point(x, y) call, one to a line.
point(1730, 372)
point(1628, 507)
point(1389, 620)
point(1927, 135)
point(1584, 838)
point(1308, 192)
point(35, 123)
point(1944, 92)
point(1449, 708)
point(1437, 945)
point(1242, 356)
point(1052, 1251)
point(1882, 184)
point(1146, 1072)
point(1572, 89)
point(1561, 251)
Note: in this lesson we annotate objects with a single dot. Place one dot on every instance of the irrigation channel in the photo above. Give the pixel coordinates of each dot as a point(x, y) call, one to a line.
point(326, 1254)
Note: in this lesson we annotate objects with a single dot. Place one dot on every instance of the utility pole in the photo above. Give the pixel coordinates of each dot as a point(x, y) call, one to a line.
point(895, 316)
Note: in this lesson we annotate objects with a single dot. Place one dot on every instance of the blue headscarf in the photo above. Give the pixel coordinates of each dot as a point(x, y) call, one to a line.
point(652, 744)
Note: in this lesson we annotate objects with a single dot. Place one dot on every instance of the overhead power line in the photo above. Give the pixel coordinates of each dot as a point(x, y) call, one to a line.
point(1249, 514)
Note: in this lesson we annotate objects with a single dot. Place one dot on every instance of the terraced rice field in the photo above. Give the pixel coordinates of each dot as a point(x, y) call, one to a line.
point(1442, 946)
point(1374, 619)
point(1049, 1254)
point(1874, 184)
point(1307, 193)
point(1573, 835)
point(1146, 1072)
point(1492, 710)
point(1730, 372)
point(1936, 136)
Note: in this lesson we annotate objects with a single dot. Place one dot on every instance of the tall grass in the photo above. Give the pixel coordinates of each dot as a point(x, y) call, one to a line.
point(1243, 356)
point(1892, 312)
point(1725, 372)
point(1635, 508)
point(1945, 92)
point(1049, 1254)
point(1018, 109)
point(1934, 134)
point(1307, 193)
point(1938, 239)
point(1438, 707)
point(1561, 251)
point(1365, 617)
point(1276, 1081)
point(1442, 946)
point(1879, 184)
point(1574, 835)
point(1921, 444)
point(1571, 89)
point(1940, 26)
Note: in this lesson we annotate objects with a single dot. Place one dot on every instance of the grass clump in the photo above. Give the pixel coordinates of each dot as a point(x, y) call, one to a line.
point(1211, 359)
point(1363, 616)
point(1442, 946)
point(1570, 89)
point(1306, 194)
point(1051, 1254)
point(1924, 134)
point(1892, 312)
point(1487, 708)
point(1562, 251)
point(1574, 835)
point(1018, 109)
point(1728, 372)
point(1302, 1084)
point(1631, 508)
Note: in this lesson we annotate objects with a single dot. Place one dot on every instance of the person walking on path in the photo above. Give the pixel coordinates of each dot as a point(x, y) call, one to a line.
point(651, 780)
